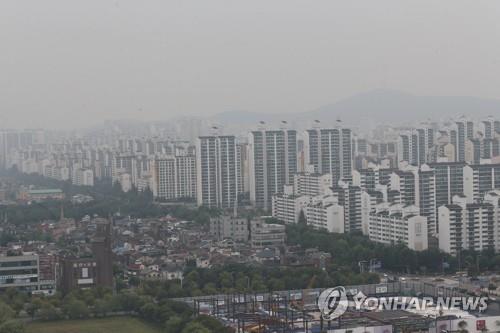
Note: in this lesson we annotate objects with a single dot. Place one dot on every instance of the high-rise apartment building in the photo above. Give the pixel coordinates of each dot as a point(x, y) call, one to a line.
point(449, 178)
point(350, 197)
point(414, 146)
point(464, 129)
point(479, 179)
point(273, 163)
point(398, 224)
point(175, 177)
point(473, 151)
point(18, 139)
point(493, 198)
point(406, 183)
point(325, 213)
point(217, 171)
point(490, 148)
point(82, 177)
point(243, 167)
point(369, 178)
point(465, 225)
point(287, 206)
point(329, 151)
point(426, 197)
point(490, 128)
point(312, 184)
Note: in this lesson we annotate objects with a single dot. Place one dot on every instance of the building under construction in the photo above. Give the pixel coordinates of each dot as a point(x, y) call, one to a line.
point(296, 311)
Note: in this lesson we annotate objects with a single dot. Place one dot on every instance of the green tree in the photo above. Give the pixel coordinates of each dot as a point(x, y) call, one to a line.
point(258, 283)
point(7, 322)
point(12, 326)
point(202, 218)
point(48, 312)
point(6, 313)
point(149, 311)
point(76, 309)
point(16, 300)
point(174, 324)
point(127, 301)
point(242, 282)
point(210, 289)
point(101, 307)
point(195, 327)
point(32, 307)
point(226, 280)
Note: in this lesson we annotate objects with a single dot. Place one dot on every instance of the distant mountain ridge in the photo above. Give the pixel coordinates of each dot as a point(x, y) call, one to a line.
point(377, 106)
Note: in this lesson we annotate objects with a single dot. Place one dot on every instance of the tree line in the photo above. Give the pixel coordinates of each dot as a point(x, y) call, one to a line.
point(349, 249)
point(169, 316)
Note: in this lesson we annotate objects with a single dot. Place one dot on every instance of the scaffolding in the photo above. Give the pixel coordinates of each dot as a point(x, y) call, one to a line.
point(295, 311)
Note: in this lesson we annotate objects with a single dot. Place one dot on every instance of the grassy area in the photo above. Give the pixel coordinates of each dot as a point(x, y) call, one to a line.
point(106, 325)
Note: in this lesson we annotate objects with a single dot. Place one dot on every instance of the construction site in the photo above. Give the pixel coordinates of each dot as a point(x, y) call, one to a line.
point(297, 311)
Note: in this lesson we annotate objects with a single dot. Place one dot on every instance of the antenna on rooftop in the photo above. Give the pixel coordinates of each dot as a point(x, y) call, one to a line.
point(338, 122)
point(262, 125)
point(215, 130)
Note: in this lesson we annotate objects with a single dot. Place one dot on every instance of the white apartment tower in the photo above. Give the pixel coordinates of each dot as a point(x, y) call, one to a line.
point(329, 151)
point(490, 128)
point(217, 171)
point(465, 225)
point(463, 130)
point(326, 213)
point(414, 145)
point(398, 224)
point(312, 184)
point(287, 206)
point(272, 163)
point(175, 176)
point(493, 198)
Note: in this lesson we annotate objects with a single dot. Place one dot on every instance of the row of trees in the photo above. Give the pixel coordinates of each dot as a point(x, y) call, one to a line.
point(171, 316)
point(348, 250)
point(257, 278)
point(109, 200)
point(239, 278)
point(50, 210)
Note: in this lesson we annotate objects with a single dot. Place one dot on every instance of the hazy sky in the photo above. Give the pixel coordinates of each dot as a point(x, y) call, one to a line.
point(78, 62)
